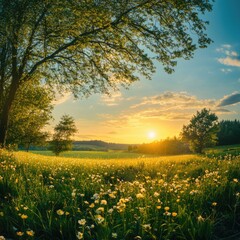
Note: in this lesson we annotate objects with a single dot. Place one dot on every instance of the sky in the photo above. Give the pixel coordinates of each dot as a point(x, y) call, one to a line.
point(157, 109)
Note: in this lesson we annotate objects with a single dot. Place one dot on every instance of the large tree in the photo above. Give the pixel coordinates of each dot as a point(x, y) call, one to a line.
point(30, 113)
point(202, 130)
point(92, 46)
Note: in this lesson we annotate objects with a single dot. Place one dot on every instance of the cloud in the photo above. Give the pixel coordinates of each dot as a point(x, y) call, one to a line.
point(231, 99)
point(175, 100)
point(112, 100)
point(226, 70)
point(231, 58)
point(229, 61)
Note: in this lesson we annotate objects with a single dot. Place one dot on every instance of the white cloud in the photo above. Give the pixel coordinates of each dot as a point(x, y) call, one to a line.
point(226, 70)
point(230, 61)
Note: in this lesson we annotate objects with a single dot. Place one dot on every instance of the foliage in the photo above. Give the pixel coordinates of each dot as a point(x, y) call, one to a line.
point(177, 197)
point(30, 114)
point(92, 46)
point(164, 147)
point(62, 135)
point(202, 130)
point(229, 132)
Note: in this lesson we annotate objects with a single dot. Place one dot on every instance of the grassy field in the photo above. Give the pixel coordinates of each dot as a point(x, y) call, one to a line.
point(176, 197)
point(94, 154)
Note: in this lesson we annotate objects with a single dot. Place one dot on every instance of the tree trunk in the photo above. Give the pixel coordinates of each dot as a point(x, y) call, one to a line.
point(4, 118)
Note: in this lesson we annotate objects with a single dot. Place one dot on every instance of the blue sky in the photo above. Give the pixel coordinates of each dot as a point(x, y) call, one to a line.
point(210, 79)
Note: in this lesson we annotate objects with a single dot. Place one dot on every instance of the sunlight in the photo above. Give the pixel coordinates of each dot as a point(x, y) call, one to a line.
point(151, 135)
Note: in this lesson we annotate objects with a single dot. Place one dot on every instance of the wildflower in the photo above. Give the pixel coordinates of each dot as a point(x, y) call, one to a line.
point(147, 227)
point(100, 210)
point(167, 214)
point(235, 180)
point(139, 195)
point(60, 212)
point(200, 218)
point(114, 235)
point(174, 214)
point(2, 238)
point(103, 202)
point(19, 233)
point(99, 218)
point(30, 233)
point(1, 215)
point(166, 209)
point(92, 205)
point(23, 216)
point(82, 222)
point(67, 213)
point(156, 194)
point(214, 204)
point(110, 211)
point(79, 235)
point(158, 207)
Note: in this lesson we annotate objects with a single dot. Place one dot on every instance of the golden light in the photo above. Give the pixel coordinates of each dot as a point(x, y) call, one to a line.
point(151, 135)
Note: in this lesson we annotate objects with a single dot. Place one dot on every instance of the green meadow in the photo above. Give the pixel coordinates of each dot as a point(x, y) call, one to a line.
point(92, 196)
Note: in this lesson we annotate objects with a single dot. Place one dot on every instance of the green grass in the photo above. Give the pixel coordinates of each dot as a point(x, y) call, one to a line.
point(176, 197)
point(223, 151)
point(94, 154)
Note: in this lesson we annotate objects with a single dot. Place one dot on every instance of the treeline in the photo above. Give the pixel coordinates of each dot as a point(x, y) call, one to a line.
point(169, 146)
point(228, 134)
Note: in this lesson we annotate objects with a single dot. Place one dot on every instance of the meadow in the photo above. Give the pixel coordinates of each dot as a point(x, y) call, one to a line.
point(174, 197)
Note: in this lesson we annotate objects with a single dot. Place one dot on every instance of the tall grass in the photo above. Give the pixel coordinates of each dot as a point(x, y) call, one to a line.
point(182, 197)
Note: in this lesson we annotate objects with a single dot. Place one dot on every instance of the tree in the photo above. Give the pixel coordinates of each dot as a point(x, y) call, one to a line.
point(229, 132)
point(62, 135)
point(92, 46)
point(202, 130)
point(30, 113)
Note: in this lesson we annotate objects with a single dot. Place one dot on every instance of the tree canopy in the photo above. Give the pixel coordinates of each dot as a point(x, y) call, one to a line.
point(30, 113)
point(63, 132)
point(202, 130)
point(94, 45)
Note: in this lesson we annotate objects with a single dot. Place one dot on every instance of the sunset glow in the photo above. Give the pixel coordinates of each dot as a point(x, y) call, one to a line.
point(151, 135)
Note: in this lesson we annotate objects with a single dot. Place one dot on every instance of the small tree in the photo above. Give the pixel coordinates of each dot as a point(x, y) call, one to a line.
point(62, 135)
point(202, 130)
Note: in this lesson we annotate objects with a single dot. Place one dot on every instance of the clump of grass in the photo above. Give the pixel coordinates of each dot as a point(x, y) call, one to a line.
point(180, 197)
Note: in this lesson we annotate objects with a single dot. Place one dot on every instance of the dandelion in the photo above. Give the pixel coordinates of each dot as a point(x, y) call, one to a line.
point(110, 211)
point(158, 207)
point(82, 222)
point(166, 209)
point(139, 195)
point(156, 194)
point(99, 219)
point(103, 202)
point(146, 227)
point(67, 213)
point(30, 233)
point(2, 238)
point(60, 212)
point(100, 210)
point(235, 180)
point(200, 218)
point(174, 214)
point(23, 216)
point(114, 235)
point(214, 204)
point(79, 235)
point(19, 233)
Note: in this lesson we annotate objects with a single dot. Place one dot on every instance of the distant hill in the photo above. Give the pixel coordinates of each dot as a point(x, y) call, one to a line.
point(98, 145)
point(91, 145)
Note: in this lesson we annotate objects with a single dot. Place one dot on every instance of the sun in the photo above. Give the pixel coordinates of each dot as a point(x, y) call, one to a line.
point(151, 135)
